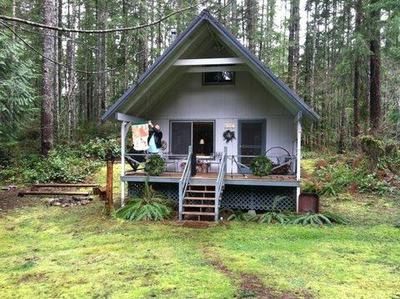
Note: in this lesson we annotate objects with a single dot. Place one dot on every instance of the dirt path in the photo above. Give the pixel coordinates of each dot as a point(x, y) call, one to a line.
point(251, 286)
point(9, 200)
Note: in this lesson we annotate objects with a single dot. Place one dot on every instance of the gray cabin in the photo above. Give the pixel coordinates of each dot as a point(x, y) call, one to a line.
point(218, 108)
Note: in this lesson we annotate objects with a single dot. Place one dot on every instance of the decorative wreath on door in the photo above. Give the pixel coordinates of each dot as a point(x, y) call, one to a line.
point(228, 135)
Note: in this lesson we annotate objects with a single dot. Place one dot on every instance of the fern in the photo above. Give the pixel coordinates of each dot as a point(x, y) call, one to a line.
point(273, 217)
point(318, 219)
point(151, 206)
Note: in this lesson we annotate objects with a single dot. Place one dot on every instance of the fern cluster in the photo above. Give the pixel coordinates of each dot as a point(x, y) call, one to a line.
point(150, 206)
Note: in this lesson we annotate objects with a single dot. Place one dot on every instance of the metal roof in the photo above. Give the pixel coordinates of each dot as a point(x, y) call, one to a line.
point(205, 16)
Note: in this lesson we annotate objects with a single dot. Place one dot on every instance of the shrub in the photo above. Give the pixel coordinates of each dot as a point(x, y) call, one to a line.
point(151, 206)
point(154, 165)
point(100, 148)
point(61, 165)
point(261, 166)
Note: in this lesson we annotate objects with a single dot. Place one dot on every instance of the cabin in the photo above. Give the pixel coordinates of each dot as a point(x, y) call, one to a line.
point(218, 108)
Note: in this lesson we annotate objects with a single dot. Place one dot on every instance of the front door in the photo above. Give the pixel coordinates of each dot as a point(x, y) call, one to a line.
point(251, 141)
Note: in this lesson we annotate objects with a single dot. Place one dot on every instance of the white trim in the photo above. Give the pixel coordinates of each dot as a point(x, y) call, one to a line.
point(209, 61)
point(210, 69)
point(128, 118)
point(124, 130)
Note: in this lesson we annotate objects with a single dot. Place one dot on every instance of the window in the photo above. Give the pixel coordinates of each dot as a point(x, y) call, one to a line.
point(215, 78)
point(198, 134)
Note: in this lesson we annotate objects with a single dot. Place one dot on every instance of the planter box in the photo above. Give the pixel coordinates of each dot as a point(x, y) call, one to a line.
point(308, 202)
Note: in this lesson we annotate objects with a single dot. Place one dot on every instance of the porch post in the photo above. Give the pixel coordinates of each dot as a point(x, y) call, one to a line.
point(298, 158)
point(123, 135)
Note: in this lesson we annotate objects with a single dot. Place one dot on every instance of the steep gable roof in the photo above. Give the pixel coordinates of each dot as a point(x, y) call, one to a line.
point(263, 73)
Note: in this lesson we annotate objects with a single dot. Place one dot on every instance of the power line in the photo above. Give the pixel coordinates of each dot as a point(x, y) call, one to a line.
point(57, 62)
point(98, 31)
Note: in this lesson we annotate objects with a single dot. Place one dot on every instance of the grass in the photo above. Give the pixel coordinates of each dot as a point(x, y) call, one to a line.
point(50, 252)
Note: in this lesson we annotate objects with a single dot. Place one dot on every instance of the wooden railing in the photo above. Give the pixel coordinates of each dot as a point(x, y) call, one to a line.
point(220, 182)
point(184, 181)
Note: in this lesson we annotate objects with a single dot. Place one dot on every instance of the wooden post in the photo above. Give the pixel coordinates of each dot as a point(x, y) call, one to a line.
point(109, 186)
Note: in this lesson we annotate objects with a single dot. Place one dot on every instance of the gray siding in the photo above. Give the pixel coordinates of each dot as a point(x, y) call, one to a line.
point(246, 99)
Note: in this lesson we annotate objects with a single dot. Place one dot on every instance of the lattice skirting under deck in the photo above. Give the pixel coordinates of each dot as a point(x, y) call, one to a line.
point(234, 196)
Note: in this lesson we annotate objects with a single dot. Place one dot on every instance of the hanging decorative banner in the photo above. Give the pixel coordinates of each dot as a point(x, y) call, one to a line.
point(140, 133)
point(229, 126)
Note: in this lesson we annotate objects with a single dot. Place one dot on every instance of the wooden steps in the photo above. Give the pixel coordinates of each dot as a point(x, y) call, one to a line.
point(198, 198)
point(199, 213)
point(199, 202)
point(198, 206)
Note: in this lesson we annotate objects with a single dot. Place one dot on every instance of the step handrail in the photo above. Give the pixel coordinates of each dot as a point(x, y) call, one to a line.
point(220, 182)
point(184, 181)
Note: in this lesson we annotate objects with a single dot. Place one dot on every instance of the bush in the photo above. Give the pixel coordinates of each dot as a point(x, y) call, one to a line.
point(261, 166)
point(151, 206)
point(154, 165)
point(100, 148)
point(61, 165)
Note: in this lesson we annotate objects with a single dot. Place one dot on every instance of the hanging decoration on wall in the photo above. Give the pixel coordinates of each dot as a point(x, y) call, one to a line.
point(228, 135)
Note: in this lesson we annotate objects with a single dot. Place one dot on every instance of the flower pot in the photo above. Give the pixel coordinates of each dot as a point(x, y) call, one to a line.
point(308, 203)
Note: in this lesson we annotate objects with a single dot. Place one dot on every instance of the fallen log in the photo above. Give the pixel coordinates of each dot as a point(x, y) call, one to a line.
point(23, 193)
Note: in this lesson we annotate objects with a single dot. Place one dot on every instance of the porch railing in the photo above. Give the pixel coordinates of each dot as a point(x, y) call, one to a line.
point(184, 181)
point(244, 169)
point(220, 182)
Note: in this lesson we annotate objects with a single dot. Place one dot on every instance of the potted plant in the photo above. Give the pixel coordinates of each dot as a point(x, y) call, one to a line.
point(155, 165)
point(261, 166)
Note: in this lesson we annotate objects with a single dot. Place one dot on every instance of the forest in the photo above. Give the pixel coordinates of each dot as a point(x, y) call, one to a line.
point(64, 62)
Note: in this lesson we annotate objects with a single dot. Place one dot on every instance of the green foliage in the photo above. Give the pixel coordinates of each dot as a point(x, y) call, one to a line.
point(249, 216)
point(150, 206)
point(261, 166)
point(331, 179)
point(273, 217)
point(100, 148)
point(16, 91)
point(154, 165)
point(63, 164)
point(318, 219)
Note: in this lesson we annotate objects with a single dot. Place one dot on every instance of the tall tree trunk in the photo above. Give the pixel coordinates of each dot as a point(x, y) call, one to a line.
point(101, 58)
point(375, 70)
point(357, 77)
point(294, 44)
point(58, 75)
point(71, 93)
point(251, 24)
point(142, 41)
point(47, 119)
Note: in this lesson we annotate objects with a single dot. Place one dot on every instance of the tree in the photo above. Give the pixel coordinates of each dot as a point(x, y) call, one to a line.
point(375, 68)
point(17, 94)
point(47, 121)
point(294, 44)
point(251, 24)
point(357, 77)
